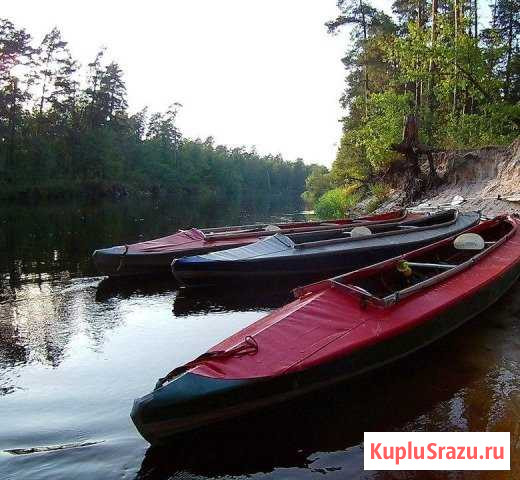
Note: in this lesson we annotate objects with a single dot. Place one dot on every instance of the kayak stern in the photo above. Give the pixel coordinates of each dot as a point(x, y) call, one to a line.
point(108, 260)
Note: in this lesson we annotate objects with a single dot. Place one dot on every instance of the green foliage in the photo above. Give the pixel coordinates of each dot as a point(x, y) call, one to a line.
point(60, 140)
point(436, 62)
point(378, 194)
point(382, 127)
point(365, 145)
point(497, 126)
point(336, 203)
point(316, 184)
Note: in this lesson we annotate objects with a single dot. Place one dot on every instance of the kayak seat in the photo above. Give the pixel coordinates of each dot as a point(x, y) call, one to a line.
point(357, 232)
point(469, 241)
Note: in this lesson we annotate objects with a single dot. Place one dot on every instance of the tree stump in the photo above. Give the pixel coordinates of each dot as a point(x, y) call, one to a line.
point(411, 147)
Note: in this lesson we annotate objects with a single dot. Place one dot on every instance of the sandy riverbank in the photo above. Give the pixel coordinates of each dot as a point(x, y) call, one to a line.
point(486, 179)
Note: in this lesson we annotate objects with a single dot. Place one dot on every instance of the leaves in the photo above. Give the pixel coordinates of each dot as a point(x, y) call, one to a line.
point(61, 138)
point(337, 203)
point(463, 86)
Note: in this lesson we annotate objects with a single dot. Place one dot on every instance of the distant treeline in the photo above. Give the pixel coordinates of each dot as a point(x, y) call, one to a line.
point(63, 135)
point(435, 59)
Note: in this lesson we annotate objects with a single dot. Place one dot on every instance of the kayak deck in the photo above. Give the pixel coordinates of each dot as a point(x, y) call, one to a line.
point(318, 253)
point(327, 320)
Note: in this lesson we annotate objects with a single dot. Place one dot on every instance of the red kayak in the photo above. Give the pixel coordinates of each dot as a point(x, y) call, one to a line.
point(156, 256)
point(338, 328)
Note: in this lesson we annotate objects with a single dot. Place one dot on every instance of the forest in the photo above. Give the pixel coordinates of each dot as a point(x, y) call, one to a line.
point(438, 60)
point(66, 132)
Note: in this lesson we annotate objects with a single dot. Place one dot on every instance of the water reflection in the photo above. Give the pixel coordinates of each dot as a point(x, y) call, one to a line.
point(56, 240)
point(122, 288)
point(75, 350)
point(248, 297)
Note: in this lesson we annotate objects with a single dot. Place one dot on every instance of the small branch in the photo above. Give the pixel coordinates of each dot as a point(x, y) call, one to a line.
point(470, 77)
point(363, 181)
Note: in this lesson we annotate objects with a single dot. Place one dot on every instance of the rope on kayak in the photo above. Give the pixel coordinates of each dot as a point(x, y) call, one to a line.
point(121, 260)
point(248, 347)
point(189, 234)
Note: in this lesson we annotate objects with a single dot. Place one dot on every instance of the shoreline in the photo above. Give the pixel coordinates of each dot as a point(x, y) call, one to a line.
point(485, 179)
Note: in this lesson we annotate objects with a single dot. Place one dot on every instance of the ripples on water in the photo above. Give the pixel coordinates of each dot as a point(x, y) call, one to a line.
point(75, 350)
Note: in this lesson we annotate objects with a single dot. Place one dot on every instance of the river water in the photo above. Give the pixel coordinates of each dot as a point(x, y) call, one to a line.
point(75, 350)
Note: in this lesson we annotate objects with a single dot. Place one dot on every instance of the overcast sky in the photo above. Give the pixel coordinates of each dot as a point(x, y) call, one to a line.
point(248, 72)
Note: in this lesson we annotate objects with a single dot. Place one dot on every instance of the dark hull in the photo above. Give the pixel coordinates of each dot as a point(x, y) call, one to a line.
point(322, 262)
point(316, 266)
point(115, 263)
point(191, 401)
point(154, 257)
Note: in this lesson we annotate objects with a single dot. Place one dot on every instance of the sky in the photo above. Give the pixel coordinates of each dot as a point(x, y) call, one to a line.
point(261, 73)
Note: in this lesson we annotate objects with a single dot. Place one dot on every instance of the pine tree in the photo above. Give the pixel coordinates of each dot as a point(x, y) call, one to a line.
point(16, 53)
point(357, 13)
point(506, 20)
point(52, 61)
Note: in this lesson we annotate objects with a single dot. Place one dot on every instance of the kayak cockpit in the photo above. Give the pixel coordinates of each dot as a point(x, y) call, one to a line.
point(386, 283)
point(264, 229)
point(353, 233)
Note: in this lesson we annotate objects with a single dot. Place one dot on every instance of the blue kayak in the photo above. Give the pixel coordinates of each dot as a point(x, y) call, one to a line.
point(319, 253)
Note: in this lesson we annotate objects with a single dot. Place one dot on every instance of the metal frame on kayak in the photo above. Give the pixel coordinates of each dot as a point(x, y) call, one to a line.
point(304, 228)
point(379, 218)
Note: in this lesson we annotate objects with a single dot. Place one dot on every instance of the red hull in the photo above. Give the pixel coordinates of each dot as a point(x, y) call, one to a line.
point(326, 322)
point(195, 239)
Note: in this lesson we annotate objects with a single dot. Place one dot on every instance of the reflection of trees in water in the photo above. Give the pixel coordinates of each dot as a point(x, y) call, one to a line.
point(38, 325)
point(39, 245)
point(249, 297)
point(58, 239)
point(101, 320)
point(38, 315)
point(123, 288)
point(12, 349)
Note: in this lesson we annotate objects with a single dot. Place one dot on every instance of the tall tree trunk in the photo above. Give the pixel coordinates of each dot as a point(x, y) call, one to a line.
point(365, 68)
point(475, 18)
point(42, 99)
point(431, 67)
point(44, 84)
point(418, 83)
point(12, 130)
point(93, 102)
point(456, 33)
point(509, 53)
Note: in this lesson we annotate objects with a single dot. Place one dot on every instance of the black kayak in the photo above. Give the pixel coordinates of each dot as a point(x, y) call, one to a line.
point(319, 253)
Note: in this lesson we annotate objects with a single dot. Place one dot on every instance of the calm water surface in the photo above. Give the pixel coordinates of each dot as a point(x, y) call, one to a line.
point(76, 349)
